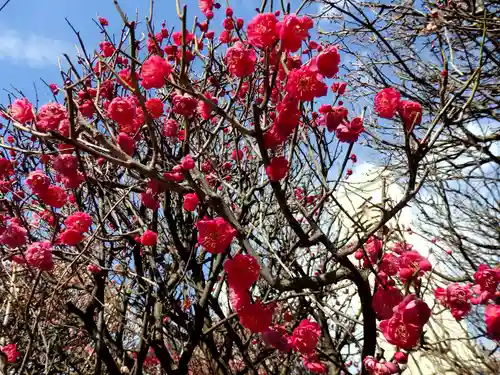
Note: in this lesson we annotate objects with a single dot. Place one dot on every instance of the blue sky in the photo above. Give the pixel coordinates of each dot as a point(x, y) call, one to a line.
point(33, 33)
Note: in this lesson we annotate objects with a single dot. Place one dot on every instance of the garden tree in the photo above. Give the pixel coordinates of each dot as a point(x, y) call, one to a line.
point(177, 208)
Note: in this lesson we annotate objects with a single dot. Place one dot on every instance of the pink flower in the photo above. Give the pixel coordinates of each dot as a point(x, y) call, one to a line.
point(387, 102)
point(215, 235)
point(103, 21)
point(398, 333)
point(94, 268)
point(332, 116)
point(237, 155)
point(205, 109)
point(487, 278)
point(349, 131)
point(242, 271)
point(410, 113)
point(79, 221)
point(191, 201)
point(384, 300)
point(375, 367)
point(239, 299)
point(38, 181)
point(413, 311)
point(401, 357)
point(177, 37)
point(305, 337)
point(22, 111)
point(293, 30)
point(313, 364)
point(288, 116)
point(6, 167)
point(39, 255)
point(240, 61)
point(125, 78)
point(256, 317)
point(53, 88)
point(184, 105)
point(86, 108)
point(372, 249)
point(148, 199)
point(273, 138)
point(154, 106)
point(149, 238)
point(11, 352)
point(411, 264)
point(401, 247)
point(173, 176)
point(54, 196)
point(126, 143)
point(455, 297)
point(49, 116)
point(12, 234)
point(170, 128)
point(187, 163)
point(72, 181)
point(492, 319)
point(262, 30)
point(328, 62)
point(107, 89)
point(339, 87)
point(277, 168)
point(107, 48)
point(123, 110)
point(206, 7)
point(71, 237)
point(389, 264)
point(154, 71)
point(305, 84)
point(225, 36)
point(66, 164)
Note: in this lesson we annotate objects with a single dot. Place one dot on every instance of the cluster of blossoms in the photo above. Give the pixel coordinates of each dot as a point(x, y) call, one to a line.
point(401, 318)
point(12, 232)
point(304, 82)
point(14, 235)
point(242, 271)
point(404, 327)
point(265, 32)
point(388, 102)
point(379, 367)
point(39, 255)
point(149, 238)
point(459, 298)
point(76, 225)
point(402, 321)
point(215, 235)
point(402, 260)
point(51, 195)
point(52, 117)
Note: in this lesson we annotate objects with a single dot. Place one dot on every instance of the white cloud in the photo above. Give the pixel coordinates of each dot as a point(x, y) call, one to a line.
point(31, 49)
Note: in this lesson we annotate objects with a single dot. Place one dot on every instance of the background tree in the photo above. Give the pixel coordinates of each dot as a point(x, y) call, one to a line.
point(443, 54)
point(183, 206)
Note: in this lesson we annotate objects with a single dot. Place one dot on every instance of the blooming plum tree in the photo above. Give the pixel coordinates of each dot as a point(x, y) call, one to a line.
point(178, 211)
